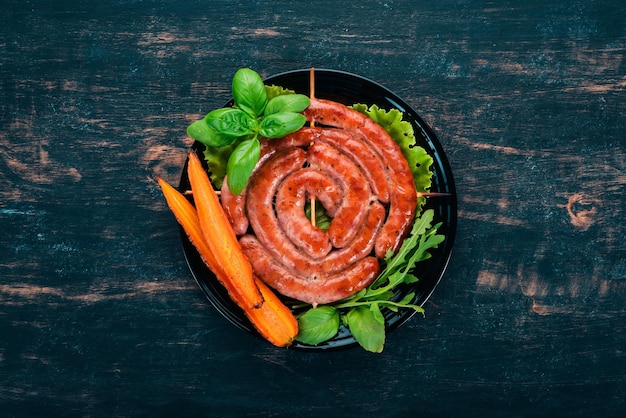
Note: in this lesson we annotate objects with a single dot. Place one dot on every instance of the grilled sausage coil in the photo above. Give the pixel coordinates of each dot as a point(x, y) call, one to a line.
point(356, 171)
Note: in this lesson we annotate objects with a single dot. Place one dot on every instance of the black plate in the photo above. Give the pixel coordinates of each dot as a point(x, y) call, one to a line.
point(349, 89)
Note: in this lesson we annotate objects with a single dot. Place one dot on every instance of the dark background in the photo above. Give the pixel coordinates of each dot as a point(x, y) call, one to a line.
point(99, 314)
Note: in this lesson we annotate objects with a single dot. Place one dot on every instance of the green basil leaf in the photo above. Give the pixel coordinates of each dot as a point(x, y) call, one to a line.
point(281, 124)
point(241, 163)
point(287, 103)
point(411, 278)
point(200, 131)
point(249, 92)
point(230, 123)
point(318, 325)
point(366, 329)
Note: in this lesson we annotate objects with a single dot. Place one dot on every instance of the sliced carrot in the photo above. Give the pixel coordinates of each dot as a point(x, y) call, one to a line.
point(187, 217)
point(219, 235)
point(273, 320)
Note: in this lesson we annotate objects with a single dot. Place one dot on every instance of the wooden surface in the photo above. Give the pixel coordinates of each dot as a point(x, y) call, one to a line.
point(99, 315)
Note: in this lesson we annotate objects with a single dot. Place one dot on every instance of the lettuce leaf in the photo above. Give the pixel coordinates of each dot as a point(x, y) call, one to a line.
point(217, 159)
point(273, 91)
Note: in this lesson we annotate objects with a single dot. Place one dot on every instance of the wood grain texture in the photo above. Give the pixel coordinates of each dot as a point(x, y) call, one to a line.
point(99, 315)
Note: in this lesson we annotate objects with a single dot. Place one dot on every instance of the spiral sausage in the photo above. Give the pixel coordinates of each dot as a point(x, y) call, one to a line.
point(352, 211)
point(352, 168)
point(291, 197)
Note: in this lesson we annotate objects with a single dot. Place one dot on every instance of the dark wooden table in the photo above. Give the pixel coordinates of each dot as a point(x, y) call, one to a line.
point(99, 314)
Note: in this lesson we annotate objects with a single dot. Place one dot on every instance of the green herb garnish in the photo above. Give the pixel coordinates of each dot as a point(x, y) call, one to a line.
point(232, 134)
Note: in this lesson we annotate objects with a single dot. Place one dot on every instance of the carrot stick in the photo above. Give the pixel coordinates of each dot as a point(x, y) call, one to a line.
point(273, 320)
point(187, 217)
point(220, 236)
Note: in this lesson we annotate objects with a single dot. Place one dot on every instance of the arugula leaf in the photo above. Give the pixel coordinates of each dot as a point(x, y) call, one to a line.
point(318, 325)
point(366, 328)
point(407, 253)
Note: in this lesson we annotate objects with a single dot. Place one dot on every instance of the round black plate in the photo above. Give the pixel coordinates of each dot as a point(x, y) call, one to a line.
point(349, 89)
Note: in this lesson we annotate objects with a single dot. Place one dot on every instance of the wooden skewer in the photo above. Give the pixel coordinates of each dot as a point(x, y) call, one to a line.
point(189, 192)
point(312, 96)
point(312, 83)
point(313, 210)
point(432, 194)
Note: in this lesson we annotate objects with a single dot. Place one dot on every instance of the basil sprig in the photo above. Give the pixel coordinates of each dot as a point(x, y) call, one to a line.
point(253, 116)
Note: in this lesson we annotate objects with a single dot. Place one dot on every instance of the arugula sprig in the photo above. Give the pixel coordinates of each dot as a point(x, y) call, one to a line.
point(361, 313)
point(234, 132)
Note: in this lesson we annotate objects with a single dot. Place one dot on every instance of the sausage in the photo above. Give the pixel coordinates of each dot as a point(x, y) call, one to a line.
point(234, 207)
point(357, 172)
point(315, 289)
point(356, 191)
point(335, 277)
point(403, 198)
point(262, 188)
point(367, 159)
point(292, 195)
